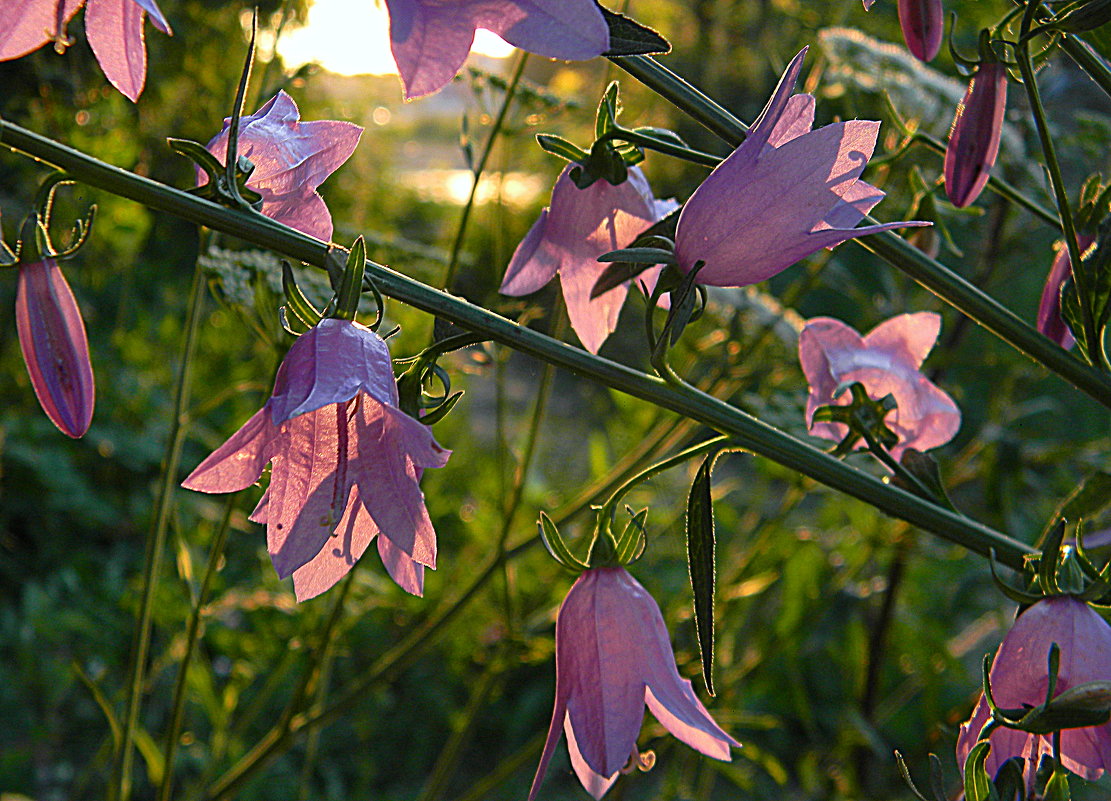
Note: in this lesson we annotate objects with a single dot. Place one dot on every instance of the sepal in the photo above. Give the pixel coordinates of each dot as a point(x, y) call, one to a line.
point(630, 38)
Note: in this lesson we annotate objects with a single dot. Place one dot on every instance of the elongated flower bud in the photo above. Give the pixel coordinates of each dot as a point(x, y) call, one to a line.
point(974, 138)
point(55, 348)
point(923, 23)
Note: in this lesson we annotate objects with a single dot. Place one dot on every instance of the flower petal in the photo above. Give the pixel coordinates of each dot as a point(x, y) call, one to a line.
point(677, 707)
point(909, 337)
point(533, 264)
point(593, 782)
point(55, 347)
point(31, 24)
point(114, 29)
point(338, 555)
point(403, 569)
point(239, 462)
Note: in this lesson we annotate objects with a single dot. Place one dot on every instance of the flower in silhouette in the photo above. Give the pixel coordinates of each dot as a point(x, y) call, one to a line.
point(55, 348)
point(114, 29)
point(886, 361)
point(291, 158)
point(1050, 321)
point(345, 463)
point(1019, 676)
point(613, 656)
point(430, 39)
point(570, 235)
point(974, 137)
point(785, 193)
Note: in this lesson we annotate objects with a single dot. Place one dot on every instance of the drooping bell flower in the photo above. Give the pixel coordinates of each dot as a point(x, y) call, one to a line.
point(1019, 676)
point(345, 463)
point(291, 158)
point(1050, 321)
point(974, 137)
point(886, 361)
point(785, 193)
point(55, 347)
point(430, 39)
point(613, 656)
point(114, 29)
point(569, 236)
point(923, 24)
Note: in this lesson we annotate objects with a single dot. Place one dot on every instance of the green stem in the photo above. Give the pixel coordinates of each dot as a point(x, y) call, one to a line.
point(931, 274)
point(659, 467)
point(177, 707)
point(1094, 65)
point(749, 432)
point(997, 185)
point(156, 541)
point(660, 146)
point(1056, 180)
point(495, 130)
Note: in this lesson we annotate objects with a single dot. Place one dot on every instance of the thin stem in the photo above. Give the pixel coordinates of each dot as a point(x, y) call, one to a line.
point(177, 707)
point(1081, 53)
point(1056, 180)
point(749, 432)
point(931, 274)
point(997, 185)
point(660, 146)
point(666, 464)
point(156, 540)
point(495, 130)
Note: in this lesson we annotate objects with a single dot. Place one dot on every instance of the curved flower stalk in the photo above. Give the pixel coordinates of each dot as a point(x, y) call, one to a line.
point(114, 29)
point(291, 158)
point(613, 656)
point(886, 361)
point(430, 39)
point(1050, 321)
point(569, 236)
point(974, 137)
point(785, 193)
point(345, 463)
point(55, 347)
point(1019, 677)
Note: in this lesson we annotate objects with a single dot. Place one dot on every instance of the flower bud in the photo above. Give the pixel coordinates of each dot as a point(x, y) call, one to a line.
point(974, 138)
point(923, 24)
point(55, 348)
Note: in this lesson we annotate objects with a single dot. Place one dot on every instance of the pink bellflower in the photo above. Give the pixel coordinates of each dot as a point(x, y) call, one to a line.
point(886, 361)
point(114, 28)
point(430, 39)
point(613, 656)
point(345, 463)
point(55, 347)
point(1050, 321)
point(974, 137)
point(785, 193)
point(569, 236)
point(291, 158)
point(1019, 676)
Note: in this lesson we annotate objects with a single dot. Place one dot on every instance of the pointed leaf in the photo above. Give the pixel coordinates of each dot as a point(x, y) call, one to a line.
point(905, 773)
point(977, 783)
point(553, 541)
point(298, 305)
point(606, 119)
point(558, 146)
point(700, 560)
point(1009, 781)
point(351, 285)
point(629, 38)
point(648, 256)
point(630, 544)
point(618, 273)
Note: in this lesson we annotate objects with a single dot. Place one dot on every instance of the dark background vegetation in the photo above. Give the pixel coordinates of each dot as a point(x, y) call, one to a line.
point(843, 634)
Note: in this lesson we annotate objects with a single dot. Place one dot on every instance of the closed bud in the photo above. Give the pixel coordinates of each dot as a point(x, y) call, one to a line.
point(923, 24)
point(974, 138)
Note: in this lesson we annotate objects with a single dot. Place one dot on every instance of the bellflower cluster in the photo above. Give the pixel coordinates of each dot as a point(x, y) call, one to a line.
point(1050, 321)
point(1019, 677)
point(613, 656)
point(569, 236)
point(886, 361)
point(291, 158)
point(114, 29)
point(345, 463)
point(785, 193)
point(430, 39)
point(55, 347)
point(974, 137)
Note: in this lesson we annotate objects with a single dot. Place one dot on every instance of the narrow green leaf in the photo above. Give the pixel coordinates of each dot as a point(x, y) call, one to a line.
point(630, 545)
point(700, 560)
point(905, 773)
point(558, 146)
point(606, 119)
point(198, 154)
point(924, 467)
point(298, 305)
point(616, 274)
point(441, 411)
point(1010, 784)
point(648, 256)
point(351, 286)
point(1057, 789)
point(629, 38)
point(977, 783)
point(937, 786)
point(553, 541)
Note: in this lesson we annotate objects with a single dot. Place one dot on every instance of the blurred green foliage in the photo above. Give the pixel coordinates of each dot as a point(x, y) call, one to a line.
point(842, 634)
